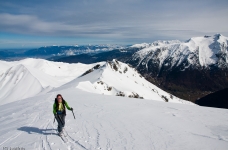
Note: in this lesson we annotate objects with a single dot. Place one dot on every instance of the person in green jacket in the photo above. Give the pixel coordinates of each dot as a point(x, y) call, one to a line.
point(59, 111)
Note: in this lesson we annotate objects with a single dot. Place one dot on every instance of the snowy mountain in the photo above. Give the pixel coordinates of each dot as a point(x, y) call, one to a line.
point(29, 77)
point(197, 52)
point(119, 79)
point(18, 83)
point(189, 70)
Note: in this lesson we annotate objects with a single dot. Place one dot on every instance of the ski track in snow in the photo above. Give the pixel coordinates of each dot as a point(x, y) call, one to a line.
point(34, 117)
point(109, 123)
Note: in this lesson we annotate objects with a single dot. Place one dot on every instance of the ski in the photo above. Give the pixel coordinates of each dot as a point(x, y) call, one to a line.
point(64, 132)
point(65, 140)
point(73, 140)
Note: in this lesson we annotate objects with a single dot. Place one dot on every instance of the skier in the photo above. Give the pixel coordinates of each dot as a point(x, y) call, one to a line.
point(59, 111)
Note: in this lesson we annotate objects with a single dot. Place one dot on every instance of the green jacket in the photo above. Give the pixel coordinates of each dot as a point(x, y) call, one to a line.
point(64, 104)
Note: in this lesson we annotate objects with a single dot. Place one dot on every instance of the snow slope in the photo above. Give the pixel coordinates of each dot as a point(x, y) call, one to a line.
point(108, 122)
point(18, 83)
point(197, 52)
point(29, 77)
point(117, 78)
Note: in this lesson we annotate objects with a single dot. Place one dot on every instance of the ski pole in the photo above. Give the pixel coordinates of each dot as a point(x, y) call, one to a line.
point(73, 112)
point(54, 120)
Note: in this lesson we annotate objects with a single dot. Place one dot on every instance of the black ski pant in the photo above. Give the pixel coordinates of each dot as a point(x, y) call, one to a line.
point(61, 121)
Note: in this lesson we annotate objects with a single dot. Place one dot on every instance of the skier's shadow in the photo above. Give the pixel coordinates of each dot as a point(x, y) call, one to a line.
point(32, 130)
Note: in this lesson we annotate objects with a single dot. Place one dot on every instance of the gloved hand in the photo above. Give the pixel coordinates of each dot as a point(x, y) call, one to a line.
point(71, 109)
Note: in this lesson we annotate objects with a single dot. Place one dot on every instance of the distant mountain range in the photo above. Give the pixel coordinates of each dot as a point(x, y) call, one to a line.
point(188, 70)
point(120, 54)
point(55, 52)
point(196, 53)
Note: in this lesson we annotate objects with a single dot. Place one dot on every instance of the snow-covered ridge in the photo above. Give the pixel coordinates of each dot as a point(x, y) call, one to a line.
point(155, 43)
point(29, 77)
point(119, 79)
point(18, 83)
point(197, 52)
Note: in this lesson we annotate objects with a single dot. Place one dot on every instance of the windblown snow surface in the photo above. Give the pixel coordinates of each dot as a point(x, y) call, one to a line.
point(103, 120)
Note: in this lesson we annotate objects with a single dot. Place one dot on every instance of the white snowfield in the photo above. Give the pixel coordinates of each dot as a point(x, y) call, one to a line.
point(31, 77)
point(196, 52)
point(112, 123)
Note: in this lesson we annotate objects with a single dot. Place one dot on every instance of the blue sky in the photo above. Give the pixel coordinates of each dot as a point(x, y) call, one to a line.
point(57, 22)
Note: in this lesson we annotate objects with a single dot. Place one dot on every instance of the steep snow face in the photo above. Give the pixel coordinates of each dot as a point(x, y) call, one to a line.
point(119, 79)
point(197, 52)
point(4, 66)
point(29, 77)
point(18, 83)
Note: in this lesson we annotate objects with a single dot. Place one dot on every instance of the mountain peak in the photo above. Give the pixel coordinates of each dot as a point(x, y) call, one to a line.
point(119, 79)
point(197, 52)
point(218, 35)
point(16, 78)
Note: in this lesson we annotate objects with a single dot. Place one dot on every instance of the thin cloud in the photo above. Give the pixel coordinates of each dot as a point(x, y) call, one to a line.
point(129, 21)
